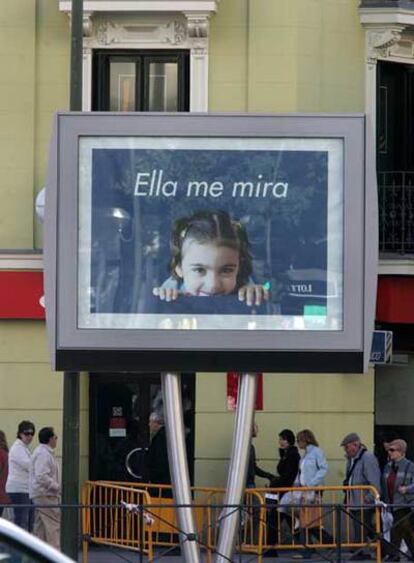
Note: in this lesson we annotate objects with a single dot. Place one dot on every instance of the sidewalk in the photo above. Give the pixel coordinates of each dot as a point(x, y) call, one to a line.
point(115, 555)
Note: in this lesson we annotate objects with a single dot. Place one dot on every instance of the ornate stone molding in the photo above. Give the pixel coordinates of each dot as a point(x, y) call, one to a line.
point(381, 41)
point(87, 24)
point(198, 26)
point(143, 6)
point(135, 33)
point(184, 30)
point(180, 32)
point(389, 31)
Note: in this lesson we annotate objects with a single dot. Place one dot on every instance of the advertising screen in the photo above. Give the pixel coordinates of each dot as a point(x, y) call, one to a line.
point(206, 242)
point(182, 233)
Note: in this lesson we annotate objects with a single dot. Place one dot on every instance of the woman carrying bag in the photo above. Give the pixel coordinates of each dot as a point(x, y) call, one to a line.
point(312, 470)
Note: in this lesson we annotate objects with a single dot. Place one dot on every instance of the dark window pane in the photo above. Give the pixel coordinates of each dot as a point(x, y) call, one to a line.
point(140, 81)
point(122, 86)
point(163, 86)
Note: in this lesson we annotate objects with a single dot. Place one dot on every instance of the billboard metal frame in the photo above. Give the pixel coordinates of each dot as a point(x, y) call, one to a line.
point(107, 349)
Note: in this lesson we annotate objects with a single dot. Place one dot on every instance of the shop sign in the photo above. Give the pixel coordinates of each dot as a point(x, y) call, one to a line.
point(233, 391)
point(381, 351)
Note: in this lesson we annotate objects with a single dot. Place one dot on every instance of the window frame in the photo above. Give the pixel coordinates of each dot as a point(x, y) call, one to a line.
point(142, 58)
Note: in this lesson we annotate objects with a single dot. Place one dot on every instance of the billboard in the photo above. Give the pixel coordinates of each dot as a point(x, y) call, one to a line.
point(201, 236)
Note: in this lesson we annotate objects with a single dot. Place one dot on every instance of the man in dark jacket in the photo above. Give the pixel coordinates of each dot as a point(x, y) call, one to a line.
point(157, 467)
point(252, 514)
point(253, 469)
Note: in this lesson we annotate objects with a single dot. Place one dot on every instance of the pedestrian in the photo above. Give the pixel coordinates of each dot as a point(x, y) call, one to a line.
point(286, 469)
point(289, 458)
point(382, 443)
point(156, 461)
point(252, 501)
point(4, 470)
point(17, 485)
point(361, 469)
point(45, 488)
point(313, 468)
point(398, 490)
point(253, 469)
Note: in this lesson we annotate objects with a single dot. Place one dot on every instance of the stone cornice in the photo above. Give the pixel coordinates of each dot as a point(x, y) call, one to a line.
point(389, 32)
point(140, 6)
point(386, 16)
point(21, 261)
point(110, 16)
point(388, 266)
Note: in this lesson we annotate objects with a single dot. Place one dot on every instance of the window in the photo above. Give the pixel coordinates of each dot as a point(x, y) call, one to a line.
point(141, 81)
point(395, 156)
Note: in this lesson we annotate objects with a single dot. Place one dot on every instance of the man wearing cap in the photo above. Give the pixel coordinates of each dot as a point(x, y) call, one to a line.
point(361, 469)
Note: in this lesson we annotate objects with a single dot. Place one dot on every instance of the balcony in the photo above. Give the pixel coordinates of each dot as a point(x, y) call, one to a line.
point(403, 4)
point(396, 214)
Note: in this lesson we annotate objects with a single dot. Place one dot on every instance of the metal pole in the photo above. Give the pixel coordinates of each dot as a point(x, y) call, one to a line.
point(70, 465)
point(141, 534)
point(76, 56)
point(236, 480)
point(71, 393)
point(177, 456)
point(338, 532)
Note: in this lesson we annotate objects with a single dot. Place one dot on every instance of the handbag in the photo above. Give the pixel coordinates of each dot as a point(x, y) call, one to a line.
point(310, 516)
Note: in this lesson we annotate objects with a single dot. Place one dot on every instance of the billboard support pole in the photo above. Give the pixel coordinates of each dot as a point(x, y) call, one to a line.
point(177, 456)
point(71, 386)
point(236, 479)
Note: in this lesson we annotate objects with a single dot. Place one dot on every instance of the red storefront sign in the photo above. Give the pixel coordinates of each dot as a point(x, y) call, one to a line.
point(232, 391)
point(21, 294)
point(395, 299)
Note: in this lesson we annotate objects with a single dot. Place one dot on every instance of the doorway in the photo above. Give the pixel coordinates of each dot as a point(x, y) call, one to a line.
point(120, 405)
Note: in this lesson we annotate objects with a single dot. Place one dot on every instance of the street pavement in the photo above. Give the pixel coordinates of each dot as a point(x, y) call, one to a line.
point(116, 555)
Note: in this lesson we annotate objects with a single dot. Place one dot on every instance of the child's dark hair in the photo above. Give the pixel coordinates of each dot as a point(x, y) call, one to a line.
point(212, 226)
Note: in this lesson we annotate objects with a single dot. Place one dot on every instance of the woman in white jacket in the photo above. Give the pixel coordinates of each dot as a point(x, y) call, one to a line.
point(17, 486)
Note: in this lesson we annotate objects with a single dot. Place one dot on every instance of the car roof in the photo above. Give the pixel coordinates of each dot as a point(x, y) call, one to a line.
point(13, 532)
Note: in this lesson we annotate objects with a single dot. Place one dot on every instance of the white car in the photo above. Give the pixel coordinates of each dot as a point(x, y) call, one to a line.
point(18, 546)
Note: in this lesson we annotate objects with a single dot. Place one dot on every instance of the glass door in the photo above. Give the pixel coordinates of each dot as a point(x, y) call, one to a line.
point(120, 405)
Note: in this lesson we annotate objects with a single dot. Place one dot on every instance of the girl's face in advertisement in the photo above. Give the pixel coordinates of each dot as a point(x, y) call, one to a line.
point(208, 268)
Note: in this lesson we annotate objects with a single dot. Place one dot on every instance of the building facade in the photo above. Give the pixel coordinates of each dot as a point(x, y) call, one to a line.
point(325, 56)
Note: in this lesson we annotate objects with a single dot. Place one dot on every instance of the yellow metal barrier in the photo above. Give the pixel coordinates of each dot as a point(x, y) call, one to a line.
point(162, 510)
point(267, 524)
point(107, 521)
point(163, 530)
point(318, 519)
point(327, 520)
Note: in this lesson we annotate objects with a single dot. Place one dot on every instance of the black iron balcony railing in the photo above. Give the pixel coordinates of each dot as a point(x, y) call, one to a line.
point(407, 4)
point(396, 212)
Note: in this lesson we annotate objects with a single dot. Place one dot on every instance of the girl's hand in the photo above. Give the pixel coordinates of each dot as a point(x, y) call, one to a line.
point(253, 294)
point(166, 293)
